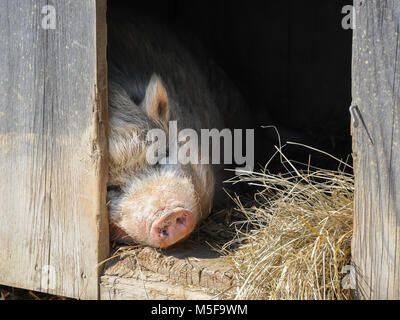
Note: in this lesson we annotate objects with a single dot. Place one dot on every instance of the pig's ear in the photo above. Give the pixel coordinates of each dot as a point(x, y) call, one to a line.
point(156, 100)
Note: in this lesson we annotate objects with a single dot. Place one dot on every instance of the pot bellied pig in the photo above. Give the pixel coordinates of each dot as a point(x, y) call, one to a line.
point(156, 82)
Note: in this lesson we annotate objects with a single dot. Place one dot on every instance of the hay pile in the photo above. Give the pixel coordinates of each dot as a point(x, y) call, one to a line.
point(296, 235)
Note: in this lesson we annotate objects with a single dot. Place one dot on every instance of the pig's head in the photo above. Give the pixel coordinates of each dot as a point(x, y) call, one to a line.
point(159, 204)
point(158, 208)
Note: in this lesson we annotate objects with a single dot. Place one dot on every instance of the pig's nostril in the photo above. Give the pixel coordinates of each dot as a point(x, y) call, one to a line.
point(180, 220)
point(164, 232)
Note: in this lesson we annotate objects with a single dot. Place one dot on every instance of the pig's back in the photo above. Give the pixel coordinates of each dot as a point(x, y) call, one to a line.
point(139, 47)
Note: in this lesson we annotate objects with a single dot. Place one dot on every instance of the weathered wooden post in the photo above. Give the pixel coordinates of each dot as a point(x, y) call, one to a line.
point(53, 118)
point(376, 146)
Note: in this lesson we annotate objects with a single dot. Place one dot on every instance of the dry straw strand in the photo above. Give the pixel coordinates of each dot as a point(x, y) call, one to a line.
point(298, 234)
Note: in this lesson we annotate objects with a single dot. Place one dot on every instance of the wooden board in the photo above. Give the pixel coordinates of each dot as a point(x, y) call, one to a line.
point(376, 146)
point(53, 219)
point(186, 271)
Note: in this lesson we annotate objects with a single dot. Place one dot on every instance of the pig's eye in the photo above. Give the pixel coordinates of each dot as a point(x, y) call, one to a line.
point(113, 188)
point(156, 165)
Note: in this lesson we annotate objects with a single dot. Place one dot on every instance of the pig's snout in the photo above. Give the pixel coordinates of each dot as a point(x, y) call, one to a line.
point(170, 228)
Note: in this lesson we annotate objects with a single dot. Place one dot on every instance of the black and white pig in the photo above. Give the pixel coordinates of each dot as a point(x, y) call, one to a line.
point(156, 78)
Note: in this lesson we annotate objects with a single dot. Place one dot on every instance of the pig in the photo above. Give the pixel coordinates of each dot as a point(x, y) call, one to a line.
point(155, 77)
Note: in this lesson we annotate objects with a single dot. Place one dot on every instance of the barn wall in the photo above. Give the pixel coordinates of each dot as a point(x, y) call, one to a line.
point(53, 219)
point(376, 141)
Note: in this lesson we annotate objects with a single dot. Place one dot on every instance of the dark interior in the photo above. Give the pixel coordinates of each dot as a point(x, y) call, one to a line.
point(291, 60)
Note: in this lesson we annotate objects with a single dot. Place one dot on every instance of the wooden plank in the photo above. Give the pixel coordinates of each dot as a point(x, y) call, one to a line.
point(376, 146)
point(186, 271)
point(148, 286)
point(53, 220)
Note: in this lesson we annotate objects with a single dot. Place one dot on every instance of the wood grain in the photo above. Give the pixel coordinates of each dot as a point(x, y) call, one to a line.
point(376, 146)
point(53, 220)
point(186, 271)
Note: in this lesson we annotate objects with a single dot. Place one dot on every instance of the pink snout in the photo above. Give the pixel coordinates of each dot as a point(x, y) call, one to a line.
point(171, 228)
